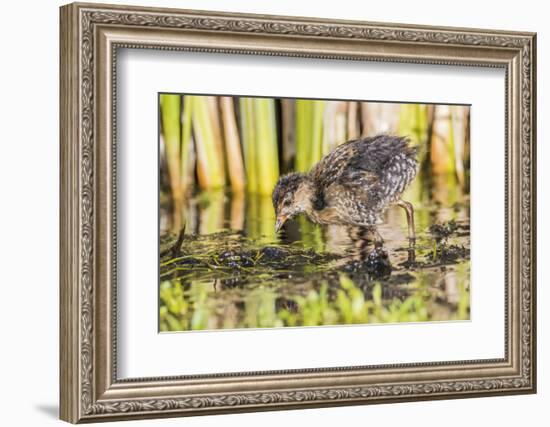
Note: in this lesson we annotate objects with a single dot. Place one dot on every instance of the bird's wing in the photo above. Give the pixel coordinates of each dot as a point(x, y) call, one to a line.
point(331, 167)
point(373, 154)
point(344, 168)
point(328, 171)
point(359, 175)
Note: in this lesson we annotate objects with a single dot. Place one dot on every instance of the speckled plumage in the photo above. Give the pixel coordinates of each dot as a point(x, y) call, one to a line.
point(353, 184)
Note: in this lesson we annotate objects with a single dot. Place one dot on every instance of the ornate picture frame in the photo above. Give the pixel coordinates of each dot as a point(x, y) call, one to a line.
point(90, 37)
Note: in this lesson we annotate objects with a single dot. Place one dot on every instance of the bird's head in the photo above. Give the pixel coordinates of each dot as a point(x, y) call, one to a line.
point(291, 196)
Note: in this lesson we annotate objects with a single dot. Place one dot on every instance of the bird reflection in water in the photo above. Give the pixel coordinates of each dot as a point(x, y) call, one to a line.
point(304, 257)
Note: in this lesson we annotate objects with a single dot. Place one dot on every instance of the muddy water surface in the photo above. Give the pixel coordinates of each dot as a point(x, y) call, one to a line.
point(229, 268)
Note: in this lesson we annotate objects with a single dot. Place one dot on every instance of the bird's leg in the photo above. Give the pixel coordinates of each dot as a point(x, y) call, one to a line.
point(408, 207)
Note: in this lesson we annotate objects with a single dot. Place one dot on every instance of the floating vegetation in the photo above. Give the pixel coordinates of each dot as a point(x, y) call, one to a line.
point(443, 252)
point(441, 232)
point(227, 280)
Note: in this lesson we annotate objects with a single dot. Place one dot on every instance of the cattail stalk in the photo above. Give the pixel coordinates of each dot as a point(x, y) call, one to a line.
point(288, 113)
point(248, 130)
point(442, 150)
point(232, 145)
point(365, 119)
point(267, 157)
point(304, 112)
point(353, 124)
point(316, 132)
point(378, 117)
point(458, 118)
point(209, 162)
point(186, 145)
point(170, 115)
point(334, 125)
point(215, 122)
point(340, 132)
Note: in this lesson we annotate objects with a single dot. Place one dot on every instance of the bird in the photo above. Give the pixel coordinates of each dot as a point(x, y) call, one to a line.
point(354, 184)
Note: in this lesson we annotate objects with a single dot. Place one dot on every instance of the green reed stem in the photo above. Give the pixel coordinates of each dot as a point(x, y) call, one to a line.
point(209, 161)
point(170, 116)
point(304, 113)
point(186, 128)
point(318, 110)
point(248, 130)
point(267, 157)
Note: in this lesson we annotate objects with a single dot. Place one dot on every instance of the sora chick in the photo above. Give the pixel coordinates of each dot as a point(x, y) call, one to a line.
point(354, 184)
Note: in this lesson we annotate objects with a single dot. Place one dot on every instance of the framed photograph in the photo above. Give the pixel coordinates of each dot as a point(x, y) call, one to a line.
point(266, 212)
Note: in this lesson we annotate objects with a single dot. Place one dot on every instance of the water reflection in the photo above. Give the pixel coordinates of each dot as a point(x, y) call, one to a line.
point(234, 271)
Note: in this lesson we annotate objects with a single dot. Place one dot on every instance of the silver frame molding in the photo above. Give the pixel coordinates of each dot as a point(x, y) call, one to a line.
point(90, 37)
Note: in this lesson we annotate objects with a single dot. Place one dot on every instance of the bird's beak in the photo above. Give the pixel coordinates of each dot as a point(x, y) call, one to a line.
point(279, 223)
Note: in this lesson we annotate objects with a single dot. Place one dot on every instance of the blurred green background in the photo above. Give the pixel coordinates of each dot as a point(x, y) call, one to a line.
point(211, 142)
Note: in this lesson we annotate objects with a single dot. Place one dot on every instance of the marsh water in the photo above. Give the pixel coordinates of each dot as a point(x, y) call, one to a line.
point(223, 266)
